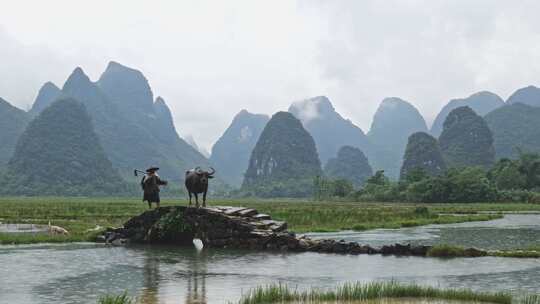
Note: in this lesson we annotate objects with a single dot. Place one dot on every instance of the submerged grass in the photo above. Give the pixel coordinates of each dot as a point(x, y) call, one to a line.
point(116, 299)
point(531, 299)
point(80, 214)
point(279, 293)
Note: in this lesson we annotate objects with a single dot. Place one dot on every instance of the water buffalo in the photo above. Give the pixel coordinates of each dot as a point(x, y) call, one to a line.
point(197, 182)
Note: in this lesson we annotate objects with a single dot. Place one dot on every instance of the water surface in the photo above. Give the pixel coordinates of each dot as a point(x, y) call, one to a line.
point(514, 231)
point(79, 273)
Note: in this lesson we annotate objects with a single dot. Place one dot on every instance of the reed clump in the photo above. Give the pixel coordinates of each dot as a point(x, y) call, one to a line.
point(280, 293)
point(116, 299)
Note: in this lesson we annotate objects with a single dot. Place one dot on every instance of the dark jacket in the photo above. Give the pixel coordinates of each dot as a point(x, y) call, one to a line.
point(150, 185)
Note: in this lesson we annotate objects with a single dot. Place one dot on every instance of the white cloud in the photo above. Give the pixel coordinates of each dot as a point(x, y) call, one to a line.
point(209, 59)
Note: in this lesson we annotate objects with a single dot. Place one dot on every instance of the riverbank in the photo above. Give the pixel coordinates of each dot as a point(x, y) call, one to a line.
point(360, 293)
point(84, 217)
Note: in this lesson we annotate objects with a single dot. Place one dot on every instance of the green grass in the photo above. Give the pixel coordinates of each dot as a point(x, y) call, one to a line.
point(279, 293)
point(116, 299)
point(525, 253)
point(450, 251)
point(80, 214)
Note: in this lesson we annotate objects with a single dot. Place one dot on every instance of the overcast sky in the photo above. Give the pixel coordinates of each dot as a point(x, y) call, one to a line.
point(211, 59)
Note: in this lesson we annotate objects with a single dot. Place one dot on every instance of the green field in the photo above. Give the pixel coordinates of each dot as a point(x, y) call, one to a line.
point(80, 214)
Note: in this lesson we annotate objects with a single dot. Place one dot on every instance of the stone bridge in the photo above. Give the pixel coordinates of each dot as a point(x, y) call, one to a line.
point(235, 227)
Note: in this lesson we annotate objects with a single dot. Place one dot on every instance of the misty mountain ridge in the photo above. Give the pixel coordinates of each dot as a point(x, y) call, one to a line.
point(482, 103)
point(329, 129)
point(394, 121)
point(135, 131)
point(231, 152)
point(48, 93)
point(529, 95)
point(191, 141)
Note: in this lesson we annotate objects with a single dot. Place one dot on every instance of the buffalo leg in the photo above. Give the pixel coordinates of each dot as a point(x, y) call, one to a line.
point(189, 197)
point(196, 199)
point(204, 199)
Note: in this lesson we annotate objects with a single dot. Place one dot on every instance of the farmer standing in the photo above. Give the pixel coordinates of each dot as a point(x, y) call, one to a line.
point(150, 184)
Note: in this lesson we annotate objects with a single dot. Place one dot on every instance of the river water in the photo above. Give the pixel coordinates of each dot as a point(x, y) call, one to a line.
point(79, 273)
point(511, 232)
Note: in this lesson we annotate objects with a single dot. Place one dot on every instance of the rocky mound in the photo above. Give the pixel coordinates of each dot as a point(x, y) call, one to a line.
point(237, 228)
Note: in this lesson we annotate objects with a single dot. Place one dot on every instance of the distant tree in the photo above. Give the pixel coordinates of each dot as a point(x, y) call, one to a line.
point(469, 185)
point(529, 166)
point(466, 140)
point(415, 175)
point(342, 187)
point(506, 175)
point(378, 179)
point(350, 164)
point(429, 190)
point(422, 152)
point(464, 185)
point(325, 188)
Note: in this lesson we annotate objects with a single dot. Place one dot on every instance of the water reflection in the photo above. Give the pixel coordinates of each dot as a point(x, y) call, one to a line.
point(149, 294)
point(191, 268)
point(196, 285)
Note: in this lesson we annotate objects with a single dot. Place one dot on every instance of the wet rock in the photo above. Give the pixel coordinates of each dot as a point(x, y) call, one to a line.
point(120, 241)
point(247, 212)
point(261, 216)
point(420, 250)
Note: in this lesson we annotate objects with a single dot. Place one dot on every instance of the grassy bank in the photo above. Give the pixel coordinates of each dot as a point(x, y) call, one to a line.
point(356, 292)
point(81, 214)
point(370, 291)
